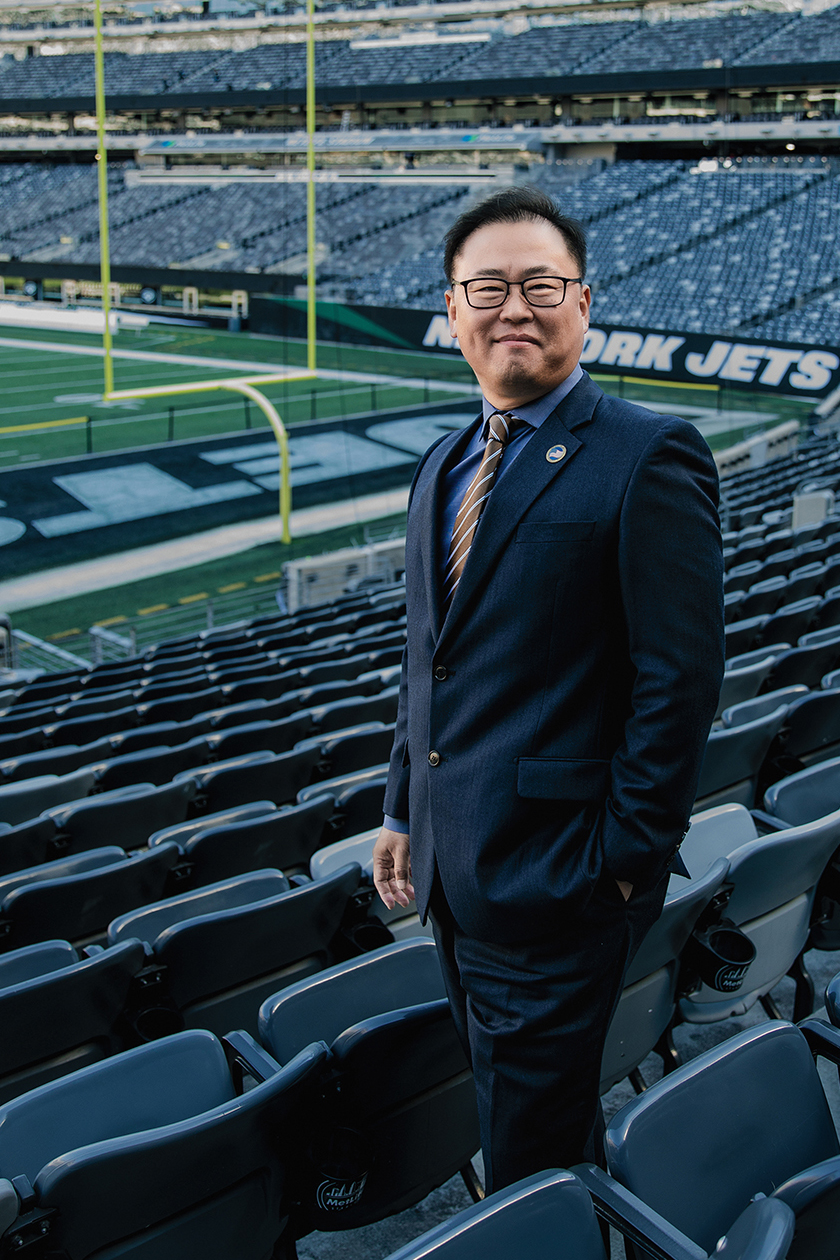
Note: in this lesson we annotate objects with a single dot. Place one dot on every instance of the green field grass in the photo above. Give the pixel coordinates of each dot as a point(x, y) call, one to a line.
point(52, 407)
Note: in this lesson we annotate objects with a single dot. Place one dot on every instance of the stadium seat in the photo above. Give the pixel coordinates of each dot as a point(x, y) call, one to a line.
point(76, 898)
point(53, 761)
point(742, 682)
point(804, 582)
point(61, 1010)
point(430, 1087)
point(158, 764)
point(648, 1002)
point(530, 1216)
point(790, 621)
point(742, 636)
point(180, 707)
point(83, 730)
point(21, 801)
point(21, 742)
point(218, 967)
point(733, 759)
point(277, 737)
point(152, 1154)
point(763, 598)
point(128, 815)
point(155, 734)
point(774, 882)
point(353, 711)
point(810, 733)
point(701, 1143)
point(182, 832)
point(804, 665)
point(760, 706)
point(255, 776)
point(27, 844)
point(285, 839)
point(357, 748)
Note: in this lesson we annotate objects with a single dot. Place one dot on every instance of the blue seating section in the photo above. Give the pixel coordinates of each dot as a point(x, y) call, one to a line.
point(667, 241)
point(566, 48)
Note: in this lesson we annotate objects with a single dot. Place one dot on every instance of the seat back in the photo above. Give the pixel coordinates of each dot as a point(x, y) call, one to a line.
point(734, 1122)
point(129, 817)
point(364, 1165)
point(53, 761)
point(760, 706)
point(274, 777)
point(184, 831)
point(807, 795)
point(772, 870)
point(150, 921)
point(158, 764)
point(322, 1006)
point(715, 833)
point(22, 801)
point(526, 1219)
point(648, 1000)
point(187, 1168)
point(222, 966)
point(285, 839)
point(64, 1018)
point(277, 737)
point(804, 665)
point(80, 907)
point(812, 726)
point(32, 961)
point(733, 758)
point(26, 844)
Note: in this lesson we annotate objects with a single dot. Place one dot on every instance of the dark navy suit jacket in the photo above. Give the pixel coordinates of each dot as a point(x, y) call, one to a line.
point(551, 727)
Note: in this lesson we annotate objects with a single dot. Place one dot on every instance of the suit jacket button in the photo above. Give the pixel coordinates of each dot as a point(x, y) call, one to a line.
point(434, 758)
point(441, 672)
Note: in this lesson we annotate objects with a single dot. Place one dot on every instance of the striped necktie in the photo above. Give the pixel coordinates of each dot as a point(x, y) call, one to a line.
point(500, 426)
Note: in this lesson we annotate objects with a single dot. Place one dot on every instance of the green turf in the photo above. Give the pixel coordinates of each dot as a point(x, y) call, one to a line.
point(255, 567)
point(45, 385)
point(53, 385)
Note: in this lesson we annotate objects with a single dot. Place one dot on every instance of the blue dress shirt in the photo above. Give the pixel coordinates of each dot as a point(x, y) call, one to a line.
point(456, 481)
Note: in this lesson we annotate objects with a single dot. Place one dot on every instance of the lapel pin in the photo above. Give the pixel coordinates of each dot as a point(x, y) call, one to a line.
point(555, 453)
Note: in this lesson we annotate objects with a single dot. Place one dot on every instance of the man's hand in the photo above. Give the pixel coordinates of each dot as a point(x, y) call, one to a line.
point(392, 868)
point(624, 888)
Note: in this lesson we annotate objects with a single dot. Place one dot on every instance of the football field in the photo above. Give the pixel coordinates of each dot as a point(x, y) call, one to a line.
point(51, 384)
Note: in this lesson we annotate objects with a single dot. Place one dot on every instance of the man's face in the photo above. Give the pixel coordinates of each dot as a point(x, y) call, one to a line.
point(518, 352)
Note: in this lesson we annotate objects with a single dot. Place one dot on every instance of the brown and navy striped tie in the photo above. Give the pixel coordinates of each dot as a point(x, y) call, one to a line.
point(500, 426)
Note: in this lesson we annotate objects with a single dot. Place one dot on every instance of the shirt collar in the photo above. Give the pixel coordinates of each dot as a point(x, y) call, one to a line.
point(534, 413)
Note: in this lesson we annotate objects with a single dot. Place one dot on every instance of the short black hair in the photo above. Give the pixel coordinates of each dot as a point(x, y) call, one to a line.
point(514, 205)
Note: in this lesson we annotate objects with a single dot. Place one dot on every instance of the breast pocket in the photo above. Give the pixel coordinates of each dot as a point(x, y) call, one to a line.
point(555, 531)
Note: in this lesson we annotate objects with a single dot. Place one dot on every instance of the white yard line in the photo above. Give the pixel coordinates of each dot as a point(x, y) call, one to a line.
point(238, 367)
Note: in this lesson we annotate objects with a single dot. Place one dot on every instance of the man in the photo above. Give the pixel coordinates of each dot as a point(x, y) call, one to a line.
point(563, 664)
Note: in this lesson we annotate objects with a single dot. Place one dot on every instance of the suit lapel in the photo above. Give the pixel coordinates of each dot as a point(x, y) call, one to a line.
point(427, 506)
point(529, 475)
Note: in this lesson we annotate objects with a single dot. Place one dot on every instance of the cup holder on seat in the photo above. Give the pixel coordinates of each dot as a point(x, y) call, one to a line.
point(721, 955)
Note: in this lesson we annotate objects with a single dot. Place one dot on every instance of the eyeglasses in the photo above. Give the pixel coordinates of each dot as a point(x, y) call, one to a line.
point(486, 291)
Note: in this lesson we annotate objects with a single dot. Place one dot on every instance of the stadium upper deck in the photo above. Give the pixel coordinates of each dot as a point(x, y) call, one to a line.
point(574, 49)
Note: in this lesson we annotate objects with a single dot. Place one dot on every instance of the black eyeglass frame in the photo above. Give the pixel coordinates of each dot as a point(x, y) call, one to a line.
point(494, 306)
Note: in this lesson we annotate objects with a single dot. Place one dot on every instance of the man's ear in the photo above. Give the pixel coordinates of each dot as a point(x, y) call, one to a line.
point(585, 304)
point(450, 310)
